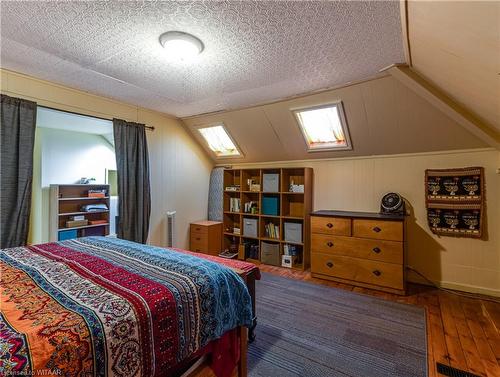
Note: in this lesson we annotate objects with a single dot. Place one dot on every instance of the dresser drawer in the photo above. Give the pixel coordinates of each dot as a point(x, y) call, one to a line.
point(361, 270)
point(199, 243)
point(378, 229)
point(331, 225)
point(199, 229)
point(384, 251)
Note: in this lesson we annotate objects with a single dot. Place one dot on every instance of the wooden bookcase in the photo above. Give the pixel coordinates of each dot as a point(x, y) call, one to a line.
point(67, 201)
point(294, 207)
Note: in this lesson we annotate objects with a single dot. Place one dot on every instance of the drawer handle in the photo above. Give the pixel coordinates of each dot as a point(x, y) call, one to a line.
point(329, 225)
point(330, 264)
point(198, 229)
point(376, 250)
point(377, 273)
point(377, 229)
point(197, 250)
point(198, 238)
point(329, 244)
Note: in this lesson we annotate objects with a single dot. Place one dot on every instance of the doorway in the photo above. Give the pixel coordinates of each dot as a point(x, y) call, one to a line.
point(69, 149)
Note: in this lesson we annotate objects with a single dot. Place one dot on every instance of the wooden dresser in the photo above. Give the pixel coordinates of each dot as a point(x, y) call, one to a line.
point(206, 237)
point(359, 248)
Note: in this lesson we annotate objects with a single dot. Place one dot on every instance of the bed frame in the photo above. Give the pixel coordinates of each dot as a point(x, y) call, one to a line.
point(201, 367)
point(249, 278)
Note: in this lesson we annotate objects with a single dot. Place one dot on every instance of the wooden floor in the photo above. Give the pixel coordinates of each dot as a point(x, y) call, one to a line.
point(461, 332)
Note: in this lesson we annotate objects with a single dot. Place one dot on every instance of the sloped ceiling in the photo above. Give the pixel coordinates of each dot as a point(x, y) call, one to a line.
point(256, 51)
point(383, 116)
point(456, 46)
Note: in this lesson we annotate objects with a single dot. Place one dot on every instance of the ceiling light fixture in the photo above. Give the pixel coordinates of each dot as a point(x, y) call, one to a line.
point(180, 45)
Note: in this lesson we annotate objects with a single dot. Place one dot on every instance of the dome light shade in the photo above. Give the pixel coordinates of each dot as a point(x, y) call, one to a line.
point(180, 45)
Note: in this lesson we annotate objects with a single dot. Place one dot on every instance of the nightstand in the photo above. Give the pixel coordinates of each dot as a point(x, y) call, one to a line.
point(206, 237)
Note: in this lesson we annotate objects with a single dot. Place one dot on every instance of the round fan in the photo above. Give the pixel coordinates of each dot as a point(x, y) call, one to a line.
point(391, 203)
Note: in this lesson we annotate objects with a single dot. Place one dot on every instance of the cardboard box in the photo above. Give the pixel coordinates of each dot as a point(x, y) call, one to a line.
point(75, 223)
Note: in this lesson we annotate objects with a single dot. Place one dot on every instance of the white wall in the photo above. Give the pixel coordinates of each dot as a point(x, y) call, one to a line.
point(68, 156)
point(357, 184)
point(65, 157)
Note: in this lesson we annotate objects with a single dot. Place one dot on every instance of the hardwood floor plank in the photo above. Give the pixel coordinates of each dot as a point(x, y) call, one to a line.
point(457, 357)
point(470, 350)
point(493, 310)
point(431, 362)
point(440, 348)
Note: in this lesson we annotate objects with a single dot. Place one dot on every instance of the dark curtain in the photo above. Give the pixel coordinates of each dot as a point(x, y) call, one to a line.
point(132, 162)
point(17, 139)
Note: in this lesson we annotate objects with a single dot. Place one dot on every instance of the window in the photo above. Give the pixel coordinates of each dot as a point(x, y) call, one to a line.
point(219, 141)
point(324, 127)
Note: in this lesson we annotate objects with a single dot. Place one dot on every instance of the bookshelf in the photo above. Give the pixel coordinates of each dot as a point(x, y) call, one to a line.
point(254, 215)
point(66, 201)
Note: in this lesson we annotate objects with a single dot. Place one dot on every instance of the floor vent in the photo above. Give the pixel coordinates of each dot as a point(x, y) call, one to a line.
point(446, 370)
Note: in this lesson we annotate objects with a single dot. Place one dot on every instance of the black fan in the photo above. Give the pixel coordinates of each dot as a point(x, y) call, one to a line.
point(392, 203)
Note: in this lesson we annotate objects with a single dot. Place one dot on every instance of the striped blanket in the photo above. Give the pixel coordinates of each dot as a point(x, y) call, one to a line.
point(100, 306)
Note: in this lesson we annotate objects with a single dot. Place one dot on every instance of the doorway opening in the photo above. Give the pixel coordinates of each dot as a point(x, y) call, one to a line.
point(71, 149)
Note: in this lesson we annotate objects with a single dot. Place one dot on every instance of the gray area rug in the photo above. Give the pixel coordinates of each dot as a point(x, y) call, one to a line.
point(310, 330)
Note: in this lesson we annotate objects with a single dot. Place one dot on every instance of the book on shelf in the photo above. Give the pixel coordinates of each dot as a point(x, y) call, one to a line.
point(290, 249)
point(235, 205)
point(97, 222)
point(96, 193)
point(272, 231)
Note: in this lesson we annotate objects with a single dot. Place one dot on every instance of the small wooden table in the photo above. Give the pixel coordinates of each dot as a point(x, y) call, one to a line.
point(206, 237)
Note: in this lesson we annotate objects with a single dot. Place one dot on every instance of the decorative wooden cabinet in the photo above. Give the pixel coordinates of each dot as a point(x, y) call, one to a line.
point(206, 237)
point(359, 248)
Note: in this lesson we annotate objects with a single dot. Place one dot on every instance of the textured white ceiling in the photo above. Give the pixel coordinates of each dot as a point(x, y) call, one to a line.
point(255, 51)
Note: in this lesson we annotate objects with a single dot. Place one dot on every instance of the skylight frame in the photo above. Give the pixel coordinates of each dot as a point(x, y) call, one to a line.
point(207, 144)
point(343, 122)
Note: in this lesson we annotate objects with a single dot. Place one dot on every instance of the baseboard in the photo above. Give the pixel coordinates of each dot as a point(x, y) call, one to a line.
point(458, 287)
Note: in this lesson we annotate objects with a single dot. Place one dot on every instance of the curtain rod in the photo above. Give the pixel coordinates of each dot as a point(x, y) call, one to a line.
point(151, 128)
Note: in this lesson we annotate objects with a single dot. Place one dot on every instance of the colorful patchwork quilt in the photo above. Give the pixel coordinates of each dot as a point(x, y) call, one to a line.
point(100, 306)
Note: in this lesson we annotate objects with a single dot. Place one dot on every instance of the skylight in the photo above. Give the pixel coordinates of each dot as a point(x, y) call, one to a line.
point(219, 141)
point(324, 127)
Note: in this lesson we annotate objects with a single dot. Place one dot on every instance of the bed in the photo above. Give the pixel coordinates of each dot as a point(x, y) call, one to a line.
point(100, 306)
